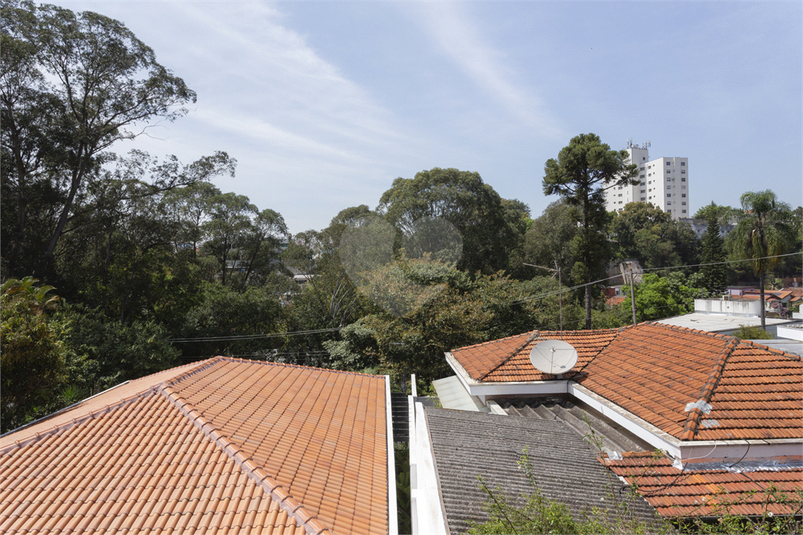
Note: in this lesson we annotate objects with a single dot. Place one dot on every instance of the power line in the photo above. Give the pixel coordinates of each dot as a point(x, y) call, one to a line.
point(667, 268)
point(251, 336)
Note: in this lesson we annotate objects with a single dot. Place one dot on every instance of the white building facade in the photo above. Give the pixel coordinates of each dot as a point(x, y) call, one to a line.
point(664, 182)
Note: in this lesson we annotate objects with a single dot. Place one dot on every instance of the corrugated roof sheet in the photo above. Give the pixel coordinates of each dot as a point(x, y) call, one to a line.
point(224, 445)
point(676, 492)
point(655, 371)
point(468, 445)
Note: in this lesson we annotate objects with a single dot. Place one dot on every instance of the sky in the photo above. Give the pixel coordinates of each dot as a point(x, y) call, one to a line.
point(324, 103)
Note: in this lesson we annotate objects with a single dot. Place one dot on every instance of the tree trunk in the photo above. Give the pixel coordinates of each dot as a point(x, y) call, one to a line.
point(761, 292)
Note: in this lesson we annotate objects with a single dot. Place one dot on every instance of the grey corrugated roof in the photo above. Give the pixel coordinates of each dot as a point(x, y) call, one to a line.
point(469, 444)
point(615, 439)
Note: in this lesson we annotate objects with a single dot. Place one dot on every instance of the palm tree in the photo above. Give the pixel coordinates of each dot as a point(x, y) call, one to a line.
point(763, 233)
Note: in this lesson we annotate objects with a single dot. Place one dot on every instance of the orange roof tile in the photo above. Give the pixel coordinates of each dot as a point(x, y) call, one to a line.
point(676, 492)
point(224, 445)
point(655, 371)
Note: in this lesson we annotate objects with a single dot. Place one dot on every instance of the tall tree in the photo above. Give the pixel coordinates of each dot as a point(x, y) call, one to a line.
point(580, 175)
point(71, 85)
point(764, 232)
point(713, 272)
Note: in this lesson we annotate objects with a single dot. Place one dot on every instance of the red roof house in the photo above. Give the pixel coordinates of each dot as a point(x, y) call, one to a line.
point(724, 415)
point(218, 446)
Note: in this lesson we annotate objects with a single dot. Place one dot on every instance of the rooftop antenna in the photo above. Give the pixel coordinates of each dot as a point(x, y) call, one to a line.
point(554, 357)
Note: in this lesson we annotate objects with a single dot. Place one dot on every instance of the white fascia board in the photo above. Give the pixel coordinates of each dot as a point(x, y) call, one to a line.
point(485, 390)
point(393, 518)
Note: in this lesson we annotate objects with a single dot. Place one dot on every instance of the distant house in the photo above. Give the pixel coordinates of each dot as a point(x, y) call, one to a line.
point(726, 415)
point(218, 446)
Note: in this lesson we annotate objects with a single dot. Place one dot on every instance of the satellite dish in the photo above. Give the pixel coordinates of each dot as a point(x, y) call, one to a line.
point(553, 356)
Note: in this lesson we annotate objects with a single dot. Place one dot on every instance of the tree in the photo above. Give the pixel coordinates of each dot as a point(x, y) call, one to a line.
point(713, 272)
point(71, 86)
point(230, 218)
point(548, 240)
point(581, 173)
point(650, 235)
point(764, 232)
point(33, 356)
point(487, 227)
point(662, 297)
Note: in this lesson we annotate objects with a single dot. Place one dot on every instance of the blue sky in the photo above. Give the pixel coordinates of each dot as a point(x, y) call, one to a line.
point(323, 104)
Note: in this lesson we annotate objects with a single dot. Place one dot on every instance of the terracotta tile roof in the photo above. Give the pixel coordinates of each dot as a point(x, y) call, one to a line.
point(739, 390)
point(220, 446)
point(678, 492)
point(508, 359)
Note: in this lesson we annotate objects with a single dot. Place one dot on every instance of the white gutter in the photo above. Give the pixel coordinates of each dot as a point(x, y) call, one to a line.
point(426, 507)
point(393, 517)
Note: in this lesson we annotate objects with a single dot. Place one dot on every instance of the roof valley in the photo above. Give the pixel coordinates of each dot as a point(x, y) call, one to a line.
point(692, 424)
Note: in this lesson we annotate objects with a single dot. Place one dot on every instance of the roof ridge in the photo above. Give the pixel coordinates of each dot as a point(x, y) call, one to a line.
point(295, 509)
point(696, 412)
point(533, 335)
point(791, 356)
point(299, 366)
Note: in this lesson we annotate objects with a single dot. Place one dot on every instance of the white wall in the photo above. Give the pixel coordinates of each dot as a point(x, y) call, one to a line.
point(741, 307)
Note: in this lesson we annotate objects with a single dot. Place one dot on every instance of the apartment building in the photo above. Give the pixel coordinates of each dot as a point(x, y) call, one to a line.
point(664, 182)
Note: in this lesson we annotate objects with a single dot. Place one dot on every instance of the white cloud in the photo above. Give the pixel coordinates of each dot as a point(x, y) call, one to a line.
point(459, 37)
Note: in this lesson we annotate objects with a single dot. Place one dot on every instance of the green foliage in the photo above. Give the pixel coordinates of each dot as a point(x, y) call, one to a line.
point(112, 352)
point(583, 170)
point(402, 462)
point(33, 354)
point(713, 273)
point(548, 240)
point(728, 521)
point(232, 319)
point(662, 297)
point(72, 87)
point(751, 332)
point(765, 231)
point(489, 228)
point(650, 235)
point(537, 514)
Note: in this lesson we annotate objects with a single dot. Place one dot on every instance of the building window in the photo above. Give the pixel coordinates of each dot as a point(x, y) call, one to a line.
point(683, 203)
point(668, 195)
point(683, 179)
point(682, 163)
point(668, 163)
point(641, 176)
point(643, 199)
point(683, 172)
point(684, 211)
point(682, 194)
point(669, 203)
